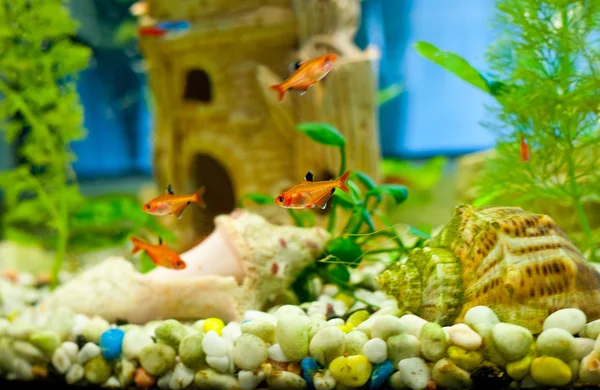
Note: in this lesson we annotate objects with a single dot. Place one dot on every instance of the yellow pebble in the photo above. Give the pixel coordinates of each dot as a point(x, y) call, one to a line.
point(346, 328)
point(467, 360)
point(348, 301)
point(213, 323)
point(520, 368)
point(351, 371)
point(358, 317)
point(11, 317)
point(550, 371)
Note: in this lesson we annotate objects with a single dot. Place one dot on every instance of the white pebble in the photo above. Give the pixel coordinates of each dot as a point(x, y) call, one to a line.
point(395, 381)
point(324, 381)
point(325, 299)
point(571, 320)
point(112, 383)
point(75, 374)
point(276, 353)
point(61, 361)
point(81, 321)
point(389, 304)
point(87, 353)
point(249, 380)
point(70, 349)
point(481, 315)
point(375, 350)
point(339, 308)
point(446, 330)
point(464, 337)
point(232, 331)
point(414, 373)
point(26, 279)
point(583, 347)
point(134, 341)
point(261, 316)
point(286, 310)
point(335, 322)
point(181, 378)
point(213, 344)
point(413, 324)
point(318, 308)
point(163, 381)
point(23, 369)
point(331, 289)
point(4, 324)
point(219, 363)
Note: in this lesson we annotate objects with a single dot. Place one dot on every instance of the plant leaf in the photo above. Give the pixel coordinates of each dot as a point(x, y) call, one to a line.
point(322, 133)
point(146, 265)
point(398, 192)
point(344, 200)
point(389, 93)
point(416, 232)
point(364, 179)
point(339, 273)
point(453, 63)
point(346, 250)
point(257, 198)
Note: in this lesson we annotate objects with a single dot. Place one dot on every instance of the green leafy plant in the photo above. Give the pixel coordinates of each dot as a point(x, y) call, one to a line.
point(546, 66)
point(357, 236)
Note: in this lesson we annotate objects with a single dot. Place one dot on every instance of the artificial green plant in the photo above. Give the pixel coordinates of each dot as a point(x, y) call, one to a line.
point(546, 70)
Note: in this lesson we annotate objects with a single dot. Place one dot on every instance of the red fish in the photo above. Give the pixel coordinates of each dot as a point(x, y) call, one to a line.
point(311, 194)
point(152, 30)
point(171, 204)
point(160, 254)
point(525, 154)
point(306, 74)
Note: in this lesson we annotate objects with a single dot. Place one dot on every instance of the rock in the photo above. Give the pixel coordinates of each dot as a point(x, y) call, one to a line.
point(191, 352)
point(75, 374)
point(264, 330)
point(550, 371)
point(171, 332)
point(402, 346)
point(143, 379)
point(61, 361)
point(134, 341)
point(481, 318)
point(375, 350)
point(249, 380)
point(125, 370)
point(292, 336)
point(380, 374)
point(413, 324)
point(591, 330)
point(519, 369)
point(157, 359)
point(182, 377)
point(433, 342)
point(97, 370)
point(464, 337)
point(513, 341)
point(556, 342)
point(219, 363)
point(328, 344)
point(323, 380)
point(28, 352)
point(355, 341)
point(214, 345)
point(467, 360)
point(583, 347)
point(571, 320)
point(209, 379)
point(276, 354)
point(385, 326)
point(448, 375)
point(94, 329)
point(249, 352)
point(111, 343)
point(87, 353)
point(352, 371)
point(45, 340)
point(589, 369)
point(414, 373)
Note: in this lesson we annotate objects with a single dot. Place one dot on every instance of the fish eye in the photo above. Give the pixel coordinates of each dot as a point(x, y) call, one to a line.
point(147, 207)
point(280, 199)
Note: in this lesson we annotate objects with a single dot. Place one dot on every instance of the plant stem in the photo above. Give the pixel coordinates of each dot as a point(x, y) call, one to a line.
point(332, 216)
point(295, 217)
point(343, 159)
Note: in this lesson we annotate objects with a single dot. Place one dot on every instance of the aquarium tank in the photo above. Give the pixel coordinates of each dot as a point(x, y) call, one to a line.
point(300, 194)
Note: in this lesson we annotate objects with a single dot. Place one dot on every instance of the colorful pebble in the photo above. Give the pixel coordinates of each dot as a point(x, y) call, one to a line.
point(111, 343)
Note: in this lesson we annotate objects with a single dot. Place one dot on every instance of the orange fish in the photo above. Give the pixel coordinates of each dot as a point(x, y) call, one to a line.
point(160, 254)
point(525, 154)
point(311, 194)
point(171, 204)
point(306, 74)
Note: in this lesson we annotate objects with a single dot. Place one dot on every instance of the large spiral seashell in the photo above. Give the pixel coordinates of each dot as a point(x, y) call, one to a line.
point(518, 263)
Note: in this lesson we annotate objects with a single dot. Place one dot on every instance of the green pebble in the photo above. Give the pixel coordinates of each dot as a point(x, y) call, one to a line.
point(249, 352)
point(157, 359)
point(519, 369)
point(591, 330)
point(97, 370)
point(558, 343)
point(355, 341)
point(61, 321)
point(28, 352)
point(190, 351)
point(94, 329)
point(315, 325)
point(262, 329)
point(574, 365)
point(550, 371)
point(467, 360)
point(402, 346)
point(170, 332)
point(433, 341)
point(448, 375)
point(327, 344)
point(285, 380)
point(386, 325)
point(210, 379)
point(491, 352)
point(45, 340)
point(513, 341)
point(125, 370)
point(292, 336)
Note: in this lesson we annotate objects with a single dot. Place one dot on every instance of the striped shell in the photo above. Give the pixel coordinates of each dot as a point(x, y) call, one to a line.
point(518, 263)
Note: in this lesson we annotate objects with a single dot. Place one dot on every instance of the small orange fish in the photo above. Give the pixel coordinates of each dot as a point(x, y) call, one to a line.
point(311, 194)
point(306, 74)
point(171, 204)
point(160, 254)
point(525, 154)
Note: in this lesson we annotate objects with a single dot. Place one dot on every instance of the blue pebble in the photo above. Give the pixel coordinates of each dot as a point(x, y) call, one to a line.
point(180, 25)
point(111, 343)
point(381, 373)
point(309, 369)
point(245, 321)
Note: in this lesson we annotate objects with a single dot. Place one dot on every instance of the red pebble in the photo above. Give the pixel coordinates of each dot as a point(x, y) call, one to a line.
point(10, 274)
point(274, 268)
point(143, 379)
point(282, 242)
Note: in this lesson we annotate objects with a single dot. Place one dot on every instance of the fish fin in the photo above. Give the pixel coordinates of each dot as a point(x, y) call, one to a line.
point(169, 190)
point(136, 245)
point(322, 202)
point(281, 89)
point(294, 66)
point(309, 176)
point(343, 182)
point(160, 240)
point(179, 212)
point(198, 199)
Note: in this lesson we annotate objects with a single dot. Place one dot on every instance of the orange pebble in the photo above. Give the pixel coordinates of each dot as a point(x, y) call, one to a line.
point(295, 368)
point(10, 274)
point(279, 366)
point(431, 385)
point(39, 372)
point(143, 379)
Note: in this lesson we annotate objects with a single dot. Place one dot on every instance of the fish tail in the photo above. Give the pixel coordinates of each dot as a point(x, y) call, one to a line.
point(137, 245)
point(198, 199)
point(281, 89)
point(343, 182)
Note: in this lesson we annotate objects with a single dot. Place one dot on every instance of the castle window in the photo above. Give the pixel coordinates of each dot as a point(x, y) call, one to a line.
point(198, 87)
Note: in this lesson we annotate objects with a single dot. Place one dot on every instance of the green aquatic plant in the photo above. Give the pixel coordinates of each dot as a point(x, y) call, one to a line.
point(546, 69)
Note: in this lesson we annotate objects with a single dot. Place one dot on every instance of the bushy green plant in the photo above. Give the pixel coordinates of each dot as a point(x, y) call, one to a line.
point(546, 69)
